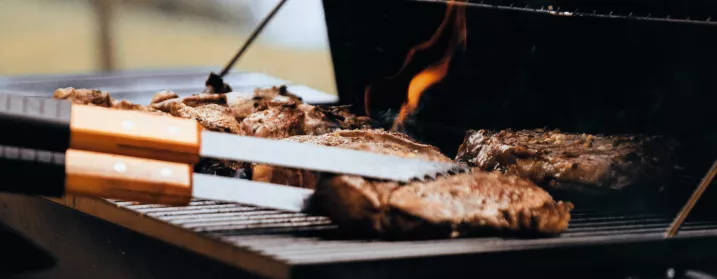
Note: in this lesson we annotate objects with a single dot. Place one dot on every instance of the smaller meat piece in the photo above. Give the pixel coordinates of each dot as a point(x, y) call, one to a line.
point(93, 97)
point(212, 117)
point(163, 96)
point(84, 96)
point(276, 122)
point(321, 120)
point(247, 103)
point(447, 207)
point(205, 99)
point(569, 161)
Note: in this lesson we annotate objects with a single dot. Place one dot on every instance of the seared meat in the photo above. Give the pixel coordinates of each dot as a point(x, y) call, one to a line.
point(163, 96)
point(272, 113)
point(276, 122)
point(378, 141)
point(245, 104)
point(99, 98)
point(212, 117)
point(571, 161)
point(205, 99)
point(322, 120)
point(84, 96)
point(449, 206)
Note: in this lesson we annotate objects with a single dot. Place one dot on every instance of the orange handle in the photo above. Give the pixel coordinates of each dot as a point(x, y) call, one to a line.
point(134, 133)
point(127, 178)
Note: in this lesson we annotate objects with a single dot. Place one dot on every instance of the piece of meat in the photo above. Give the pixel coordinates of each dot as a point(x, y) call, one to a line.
point(163, 96)
point(205, 99)
point(247, 103)
point(99, 98)
point(449, 206)
point(275, 122)
point(212, 117)
point(84, 96)
point(282, 117)
point(321, 120)
point(570, 161)
point(378, 141)
point(345, 119)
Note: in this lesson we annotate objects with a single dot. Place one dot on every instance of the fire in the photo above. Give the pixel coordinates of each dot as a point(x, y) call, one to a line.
point(418, 85)
point(455, 22)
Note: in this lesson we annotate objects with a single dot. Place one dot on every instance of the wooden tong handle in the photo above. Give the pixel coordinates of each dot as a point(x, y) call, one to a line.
point(58, 125)
point(127, 178)
point(135, 133)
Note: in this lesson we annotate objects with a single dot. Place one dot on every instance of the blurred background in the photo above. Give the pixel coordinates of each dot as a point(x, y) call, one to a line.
point(79, 36)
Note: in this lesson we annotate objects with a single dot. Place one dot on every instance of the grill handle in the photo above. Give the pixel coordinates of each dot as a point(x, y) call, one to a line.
point(37, 123)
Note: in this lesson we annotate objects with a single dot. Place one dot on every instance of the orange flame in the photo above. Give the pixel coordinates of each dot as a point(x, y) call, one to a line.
point(455, 15)
point(418, 85)
point(456, 20)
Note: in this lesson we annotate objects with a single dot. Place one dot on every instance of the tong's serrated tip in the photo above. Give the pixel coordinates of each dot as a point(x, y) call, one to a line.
point(454, 169)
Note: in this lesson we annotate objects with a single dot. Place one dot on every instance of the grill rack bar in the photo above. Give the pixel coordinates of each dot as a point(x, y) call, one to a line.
point(577, 13)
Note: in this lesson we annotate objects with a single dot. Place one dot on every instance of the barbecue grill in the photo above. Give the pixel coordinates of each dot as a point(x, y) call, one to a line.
point(514, 54)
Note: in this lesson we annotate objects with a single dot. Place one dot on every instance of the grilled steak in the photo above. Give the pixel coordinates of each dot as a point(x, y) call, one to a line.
point(449, 206)
point(379, 141)
point(558, 160)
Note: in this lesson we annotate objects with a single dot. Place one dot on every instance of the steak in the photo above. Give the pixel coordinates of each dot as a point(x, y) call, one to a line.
point(378, 141)
point(447, 207)
point(566, 161)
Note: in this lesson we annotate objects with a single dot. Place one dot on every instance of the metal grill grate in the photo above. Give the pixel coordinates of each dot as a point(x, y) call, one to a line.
point(293, 237)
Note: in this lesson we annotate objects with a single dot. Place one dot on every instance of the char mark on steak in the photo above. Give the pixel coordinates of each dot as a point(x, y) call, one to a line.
point(447, 207)
point(569, 161)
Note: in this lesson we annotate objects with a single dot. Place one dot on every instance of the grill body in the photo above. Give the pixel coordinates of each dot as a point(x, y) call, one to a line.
point(615, 71)
point(274, 244)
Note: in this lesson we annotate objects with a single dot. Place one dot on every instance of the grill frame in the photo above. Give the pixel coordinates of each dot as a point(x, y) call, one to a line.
point(275, 254)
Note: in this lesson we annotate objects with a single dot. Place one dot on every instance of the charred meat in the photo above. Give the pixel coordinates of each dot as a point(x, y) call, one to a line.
point(99, 98)
point(449, 206)
point(557, 160)
point(212, 117)
point(271, 113)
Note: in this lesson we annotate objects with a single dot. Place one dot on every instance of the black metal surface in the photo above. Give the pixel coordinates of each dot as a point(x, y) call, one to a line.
point(32, 172)
point(86, 247)
point(528, 69)
point(20, 255)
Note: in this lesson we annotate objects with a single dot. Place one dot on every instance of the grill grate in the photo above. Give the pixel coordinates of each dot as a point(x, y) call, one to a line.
point(295, 238)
